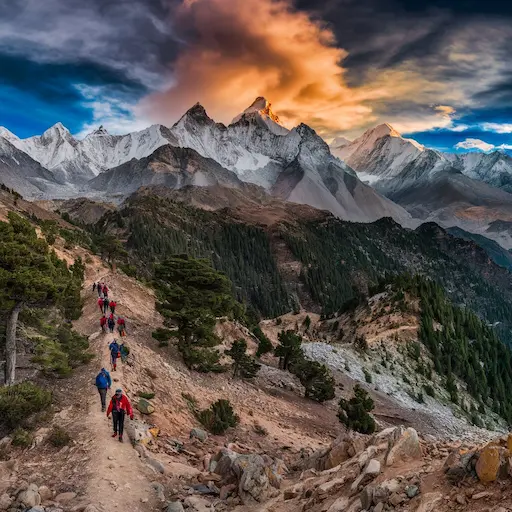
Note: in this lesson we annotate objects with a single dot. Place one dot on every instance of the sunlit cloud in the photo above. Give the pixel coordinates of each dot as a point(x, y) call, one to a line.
point(480, 145)
point(497, 127)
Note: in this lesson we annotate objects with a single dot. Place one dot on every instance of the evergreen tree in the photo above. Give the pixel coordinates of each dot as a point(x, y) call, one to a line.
point(30, 277)
point(316, 379)
point(289, 349)
point(264, 345)
point(243, 365)
point(354, 413)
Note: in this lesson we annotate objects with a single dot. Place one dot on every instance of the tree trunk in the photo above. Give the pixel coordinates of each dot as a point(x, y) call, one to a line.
point(10, 344)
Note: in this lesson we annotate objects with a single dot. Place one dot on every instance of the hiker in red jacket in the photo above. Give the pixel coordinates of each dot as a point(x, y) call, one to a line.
point(121, 326)
point(111, 322)
point(103, 323)
point(113, 305)
point(119, 406)
point(100, 304)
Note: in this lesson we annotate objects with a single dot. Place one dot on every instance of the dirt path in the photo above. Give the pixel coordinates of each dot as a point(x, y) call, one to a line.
point(119, 479)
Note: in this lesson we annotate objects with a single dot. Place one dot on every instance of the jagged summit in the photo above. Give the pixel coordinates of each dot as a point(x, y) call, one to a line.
point(100, 131)
point(58, 129)
point(262, 108)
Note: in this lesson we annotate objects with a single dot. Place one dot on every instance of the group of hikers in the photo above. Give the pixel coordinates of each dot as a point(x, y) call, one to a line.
point(119, 405)
point(104, 303)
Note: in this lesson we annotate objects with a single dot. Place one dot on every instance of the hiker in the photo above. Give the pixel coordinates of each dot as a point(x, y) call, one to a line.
point(113, 305)
point(94, 286)
point(111, 323)
point(103, 383)
point(99, 289)
point(106, 303)
point(121, 326)
point(124, 350)
point(103, 323)
point(100, 305)
point(119, 406)
point(105, 291)
point(114, 354)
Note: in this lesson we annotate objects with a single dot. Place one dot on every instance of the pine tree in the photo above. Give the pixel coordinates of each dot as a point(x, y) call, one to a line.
point(289, 349)
point(354, 413)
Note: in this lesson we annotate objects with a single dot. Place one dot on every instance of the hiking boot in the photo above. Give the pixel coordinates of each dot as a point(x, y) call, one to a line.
point(103, 409)
point(120, 439)
point(114, 434)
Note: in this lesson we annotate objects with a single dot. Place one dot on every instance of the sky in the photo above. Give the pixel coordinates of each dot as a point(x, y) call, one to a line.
point(438, 71)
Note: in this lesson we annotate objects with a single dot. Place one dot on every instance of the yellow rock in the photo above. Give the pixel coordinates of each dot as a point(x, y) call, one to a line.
point(509, 443)
point(154, 431)
point(488, 464)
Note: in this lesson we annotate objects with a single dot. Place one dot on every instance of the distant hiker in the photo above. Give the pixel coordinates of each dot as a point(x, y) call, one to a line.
point(105, 291)
point(100, 305)
point(119, 406)
point(94, 286)
point(103, 383)
point(100, 289)
point(121, 326)
point(124, 350)
point(114, 354)
point(111, 323)
point(106, 303)
point(113, 305)
point(103, 323)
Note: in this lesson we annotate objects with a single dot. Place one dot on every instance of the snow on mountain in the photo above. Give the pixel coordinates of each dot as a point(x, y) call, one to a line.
point(261, 110)
point(339, 142)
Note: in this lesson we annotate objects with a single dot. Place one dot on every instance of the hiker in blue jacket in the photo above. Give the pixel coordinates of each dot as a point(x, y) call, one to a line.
point(103, 383)
point(114, 354)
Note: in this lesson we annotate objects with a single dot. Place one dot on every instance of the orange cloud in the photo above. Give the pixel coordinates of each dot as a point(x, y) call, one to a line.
point(241, 49)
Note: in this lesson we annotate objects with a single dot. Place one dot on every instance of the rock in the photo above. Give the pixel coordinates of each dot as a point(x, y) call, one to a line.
point(403, 445)
point(430, 502)
point(391, 486)
point(396, 499)
point(175, 506)
point(488, 464)
point(340, 505)
point(30, 497)
point(330, 486)
point(159, 489)
point(379, 507)
point(197, 504)
point(65, 497)
point(156, 464)
point(481, 495)
point(342, 449)
point(5, 501)
point(412, 491)
point(36, 509)
point(183, 470)
point(145, 407)
point(45, 493)
point(138, 432)
point(209, 477)
point(460, 499)
point(369, 473)
point(8, 469)
point(90, 508)
point(226, 490)
point(458, 465)
point(141, 450)
point(198, 433)
point(366, 497)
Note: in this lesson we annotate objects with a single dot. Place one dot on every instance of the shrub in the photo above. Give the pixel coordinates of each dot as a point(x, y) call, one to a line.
point(19, 402)
point(147, 396)
point(476, 420)
point(201, 359)
point(162, 334)
point(219, 417)
point(316, 379)
point(429, 390)
point(264, 345)
point(59, 437)
point(22, 438)
point(260, 429)
point(354, 413)
point(367, 376)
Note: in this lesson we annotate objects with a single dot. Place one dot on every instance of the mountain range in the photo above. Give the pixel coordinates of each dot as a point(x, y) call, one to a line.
point(380, 174)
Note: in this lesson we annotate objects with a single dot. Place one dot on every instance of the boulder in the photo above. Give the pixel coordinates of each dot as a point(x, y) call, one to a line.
point(8, 469)
point(430, 502)
point(159, 490)
point(199, 433)
point(403, 445)
point(65, 497)
point(459, 464)
point(197, 504)
point(175, 506)
point(145, 407)
point(412, 491)
point(5, 501)
point(30, 497)
point(45, 493)
point(488, 464)
point(156, 465)
point(366, 497)
point(340, 505)
point(139, 432)
point(369, 473)
point(343, 448)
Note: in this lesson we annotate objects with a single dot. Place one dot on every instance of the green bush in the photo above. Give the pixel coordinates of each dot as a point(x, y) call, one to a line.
point(22, 438)
point(162, 334)
point(219, 417)
point(19, 402)
point(147, 396)
point(354, 413)
point(429, 390)
point(200, 359)
point(264, 345)
point(59, 437)
point(367, 376)
point(316, 379)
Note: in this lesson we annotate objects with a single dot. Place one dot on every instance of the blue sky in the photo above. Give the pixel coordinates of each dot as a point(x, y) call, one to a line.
point(439, 71)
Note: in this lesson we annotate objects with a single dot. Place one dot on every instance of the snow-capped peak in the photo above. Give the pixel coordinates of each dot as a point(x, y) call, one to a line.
point(57, 129)
point(99, 131)
point(262, 108)
point(340, 142)
point(8, 135)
